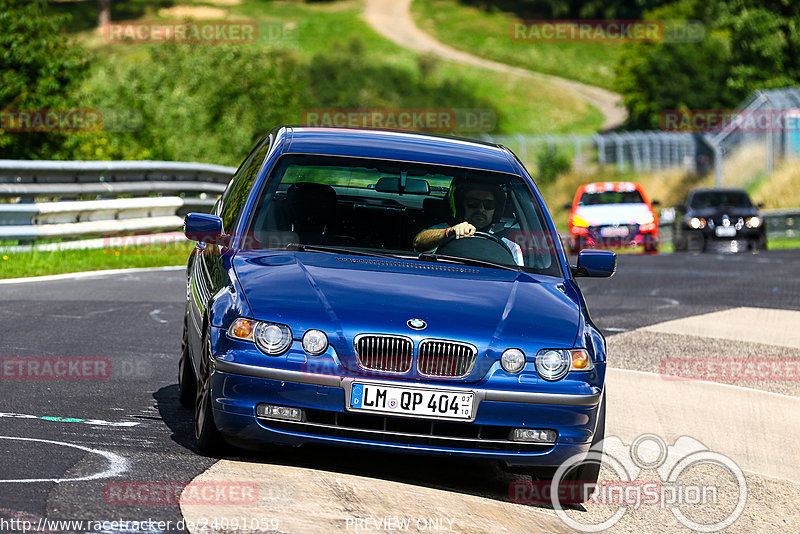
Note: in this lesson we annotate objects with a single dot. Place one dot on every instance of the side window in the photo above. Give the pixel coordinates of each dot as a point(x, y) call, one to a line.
point(236, 194)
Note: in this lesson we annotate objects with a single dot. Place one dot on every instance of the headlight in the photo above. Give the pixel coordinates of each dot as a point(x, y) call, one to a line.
point(697, 223)
point(645, 218)
point(513, 360)
point(273, 338)
point(753, 222)
point(315, 342)
point(554, 364)
point(580, 222)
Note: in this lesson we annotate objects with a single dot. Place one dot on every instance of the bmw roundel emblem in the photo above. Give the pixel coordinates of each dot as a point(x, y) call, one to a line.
point(416, 324)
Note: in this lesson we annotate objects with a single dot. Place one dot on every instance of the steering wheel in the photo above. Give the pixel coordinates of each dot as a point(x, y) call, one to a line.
point(486, 247)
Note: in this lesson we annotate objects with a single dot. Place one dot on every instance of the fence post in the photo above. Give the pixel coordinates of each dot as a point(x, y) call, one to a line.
point(601, 149)
point(578, 143)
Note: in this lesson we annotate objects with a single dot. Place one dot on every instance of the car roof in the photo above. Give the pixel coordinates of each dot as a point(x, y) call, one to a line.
point(625, 183)
point(399, 145)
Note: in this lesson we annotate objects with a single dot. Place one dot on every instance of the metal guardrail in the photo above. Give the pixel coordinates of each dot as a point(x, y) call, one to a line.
point(34, 191)
point(782, 223)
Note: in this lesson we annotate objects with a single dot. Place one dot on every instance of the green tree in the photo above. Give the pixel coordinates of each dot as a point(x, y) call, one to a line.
point(39, 69)
point(748, 45)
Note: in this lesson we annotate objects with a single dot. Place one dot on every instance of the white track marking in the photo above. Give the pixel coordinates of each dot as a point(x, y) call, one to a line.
point(89, 274)
point(116, 463)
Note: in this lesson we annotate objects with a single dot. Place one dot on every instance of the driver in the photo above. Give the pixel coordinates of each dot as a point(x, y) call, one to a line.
point(475, 205)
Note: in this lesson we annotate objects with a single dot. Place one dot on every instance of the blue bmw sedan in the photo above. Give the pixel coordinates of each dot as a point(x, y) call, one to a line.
point(390, 291)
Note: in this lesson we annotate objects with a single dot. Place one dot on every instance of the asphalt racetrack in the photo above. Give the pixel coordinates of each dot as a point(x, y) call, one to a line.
point(110, 442)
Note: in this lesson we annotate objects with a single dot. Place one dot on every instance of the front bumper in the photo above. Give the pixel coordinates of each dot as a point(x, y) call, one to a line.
point(238, 388)
point(628, 236)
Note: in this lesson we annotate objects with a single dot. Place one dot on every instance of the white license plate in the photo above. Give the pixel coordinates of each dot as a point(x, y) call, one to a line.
point(725, 231)
point(412, 401)
point(614, 232)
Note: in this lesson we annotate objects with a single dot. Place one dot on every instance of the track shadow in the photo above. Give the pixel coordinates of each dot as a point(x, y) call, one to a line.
point(482, 478)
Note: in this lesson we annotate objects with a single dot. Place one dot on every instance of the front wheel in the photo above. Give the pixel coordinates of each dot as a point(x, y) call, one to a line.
point(209, 439)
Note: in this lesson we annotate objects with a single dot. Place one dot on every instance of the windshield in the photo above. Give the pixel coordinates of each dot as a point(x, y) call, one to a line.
point(713, 199)
point(382, 207)
point(611, 197)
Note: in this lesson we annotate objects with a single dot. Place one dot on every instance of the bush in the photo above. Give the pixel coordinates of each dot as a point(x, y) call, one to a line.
point(39, 69)
point(551, 163)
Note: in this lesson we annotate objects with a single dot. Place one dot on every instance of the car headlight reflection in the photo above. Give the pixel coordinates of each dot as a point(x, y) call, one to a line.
point(315, 342)
point(512, 361)
point(554, 364)
point(753, 222)
point(697, 223)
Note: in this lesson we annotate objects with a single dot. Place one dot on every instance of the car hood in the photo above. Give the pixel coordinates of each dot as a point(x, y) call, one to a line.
point(612, 213)
point(349, 295)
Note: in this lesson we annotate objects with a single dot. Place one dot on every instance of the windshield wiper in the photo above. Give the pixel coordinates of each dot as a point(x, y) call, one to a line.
point(335, 250)
point(428, 256)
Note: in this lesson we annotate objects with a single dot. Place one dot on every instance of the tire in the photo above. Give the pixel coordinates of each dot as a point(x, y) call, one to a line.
point(695, 243)
point(187, 382)
point(758, 245)
point(650, 247)
point(209, 439)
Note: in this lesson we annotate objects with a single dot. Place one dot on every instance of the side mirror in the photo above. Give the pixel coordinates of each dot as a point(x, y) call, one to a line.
point(203, 227)
point(596, 263)
point(567, 206)
point(679, 207)
point(656, 203)
point(760, 205)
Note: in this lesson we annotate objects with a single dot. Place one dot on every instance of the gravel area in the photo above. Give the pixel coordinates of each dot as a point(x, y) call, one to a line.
point(708, 359)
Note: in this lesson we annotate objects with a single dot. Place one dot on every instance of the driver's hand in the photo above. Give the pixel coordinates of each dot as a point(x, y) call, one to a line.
point(463, 229)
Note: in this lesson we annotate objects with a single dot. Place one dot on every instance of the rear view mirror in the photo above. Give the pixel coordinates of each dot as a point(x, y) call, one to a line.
point(596, 263)
point(203, 227)
point(412, 186)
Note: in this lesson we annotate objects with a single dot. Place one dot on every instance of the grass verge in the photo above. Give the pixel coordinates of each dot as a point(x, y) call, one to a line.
point(521, 104)
point(488, 34)
point(40, 263)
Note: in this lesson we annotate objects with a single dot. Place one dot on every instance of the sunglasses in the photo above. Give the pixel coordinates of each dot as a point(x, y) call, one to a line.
point(475, 203)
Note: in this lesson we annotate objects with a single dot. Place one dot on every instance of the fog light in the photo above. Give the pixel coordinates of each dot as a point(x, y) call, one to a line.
point(285, 413)
point(534, 435)
point(315, 342)
point(512, 360)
